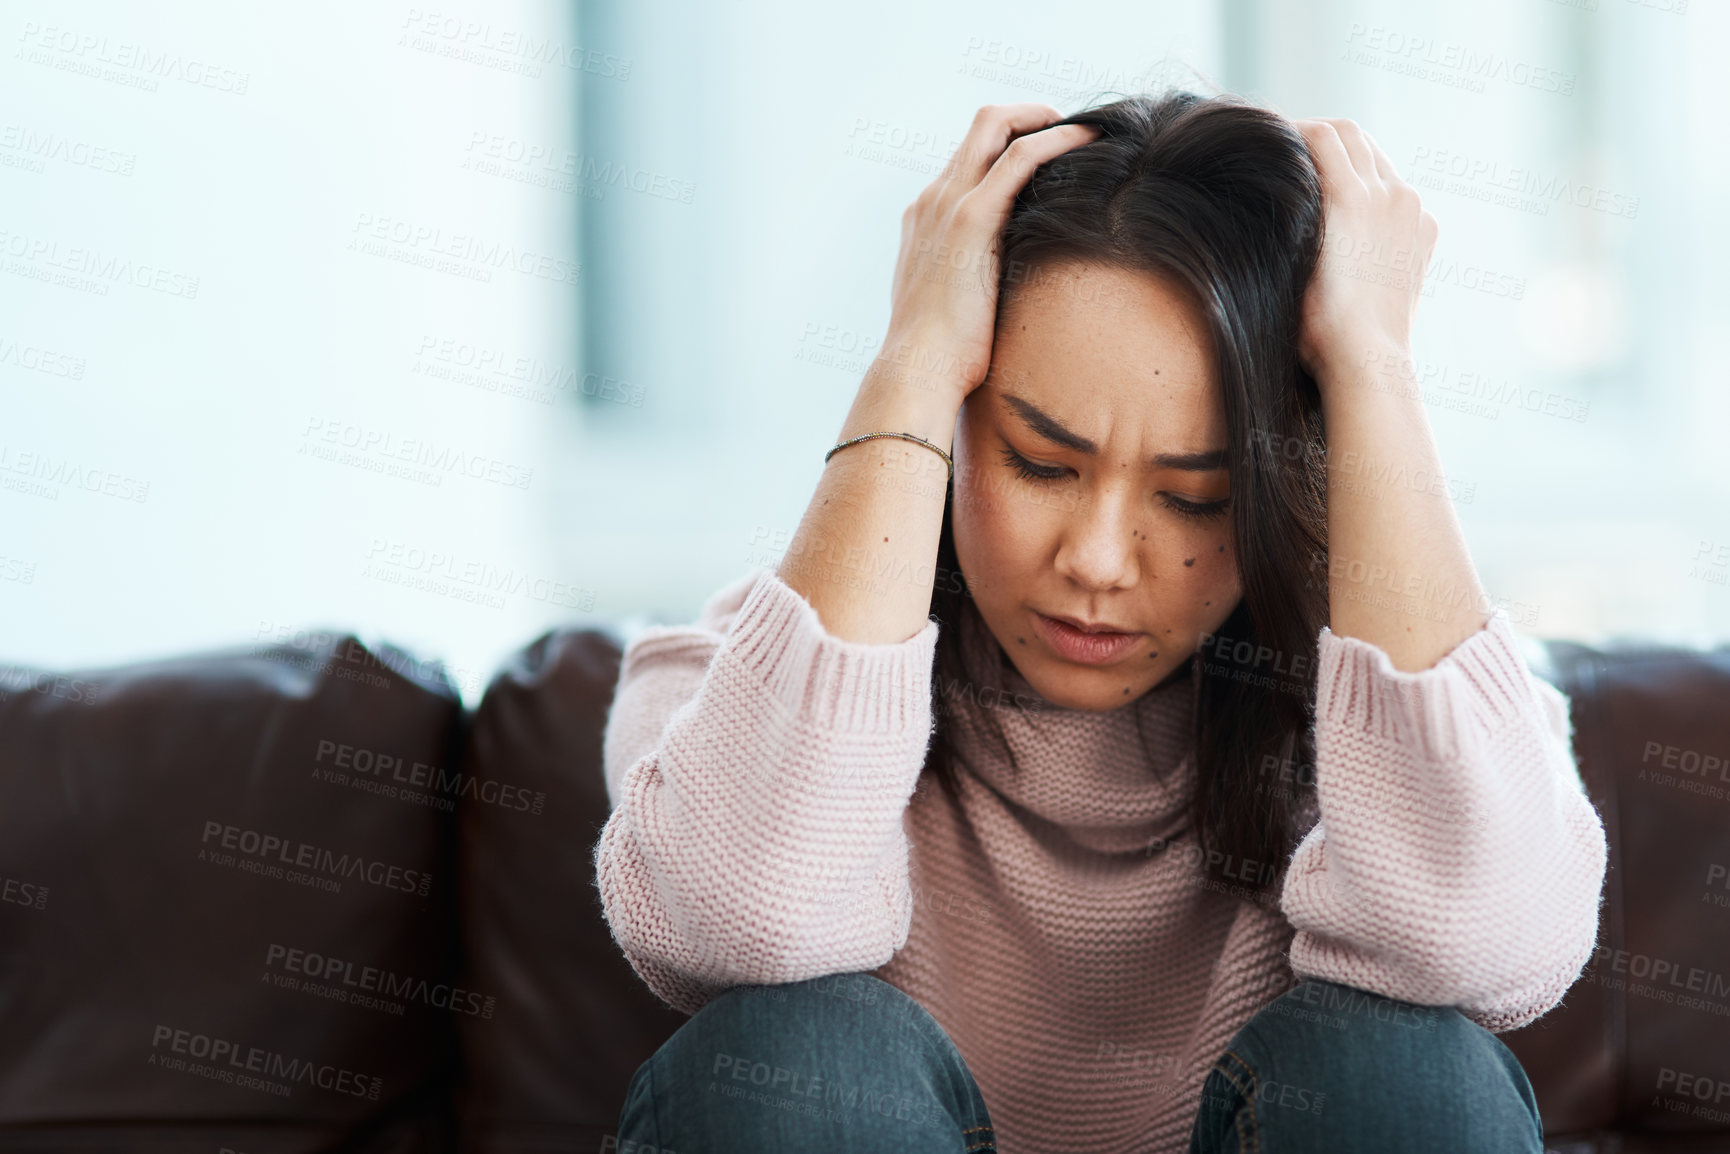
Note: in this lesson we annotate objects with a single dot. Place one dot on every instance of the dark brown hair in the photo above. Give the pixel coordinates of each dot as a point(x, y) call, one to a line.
point(1221, 200)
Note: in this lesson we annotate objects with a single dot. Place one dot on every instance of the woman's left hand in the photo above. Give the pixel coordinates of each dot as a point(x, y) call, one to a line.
point(1355, 339)
point(1377, 240)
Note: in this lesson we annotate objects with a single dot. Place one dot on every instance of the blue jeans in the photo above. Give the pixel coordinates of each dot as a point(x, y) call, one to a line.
point(850, 1063)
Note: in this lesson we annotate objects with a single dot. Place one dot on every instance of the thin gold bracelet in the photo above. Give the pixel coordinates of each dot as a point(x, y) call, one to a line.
point(947, 459)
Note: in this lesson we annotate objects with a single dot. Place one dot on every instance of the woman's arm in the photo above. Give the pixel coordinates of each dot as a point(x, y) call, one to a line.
point(1399, 574)
point(759, 768)
point(862, 555)
point(1457, 860)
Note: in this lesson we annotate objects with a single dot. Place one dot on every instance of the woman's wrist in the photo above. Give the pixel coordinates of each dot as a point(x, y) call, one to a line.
point(888, 407)
point(1371, 375)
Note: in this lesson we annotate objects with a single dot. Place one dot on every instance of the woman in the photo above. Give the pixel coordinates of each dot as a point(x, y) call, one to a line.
point(1156, 900)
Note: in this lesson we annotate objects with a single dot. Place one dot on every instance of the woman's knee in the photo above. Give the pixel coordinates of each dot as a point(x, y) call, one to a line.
point(847, 1055)
point(1325, 1056)
point(735, 1036)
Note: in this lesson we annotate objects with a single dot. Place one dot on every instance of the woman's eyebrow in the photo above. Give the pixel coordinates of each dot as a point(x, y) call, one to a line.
point(1051, 429)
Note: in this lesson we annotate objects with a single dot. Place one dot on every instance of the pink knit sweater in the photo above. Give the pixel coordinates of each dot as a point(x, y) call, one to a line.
point(770, 824)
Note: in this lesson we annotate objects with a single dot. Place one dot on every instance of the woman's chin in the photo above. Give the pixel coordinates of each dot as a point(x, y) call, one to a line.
point(1089, 689)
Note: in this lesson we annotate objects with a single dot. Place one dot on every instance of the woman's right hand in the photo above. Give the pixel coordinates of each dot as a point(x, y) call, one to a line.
point(944, 302)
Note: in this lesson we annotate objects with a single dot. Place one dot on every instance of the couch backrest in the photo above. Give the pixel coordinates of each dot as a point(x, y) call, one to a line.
point(549, 1069)
point(227, 903)
point(1642, 1042)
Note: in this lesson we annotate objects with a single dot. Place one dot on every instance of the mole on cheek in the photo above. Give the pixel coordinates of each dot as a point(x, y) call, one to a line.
point(1021, 641)
point(1189, 562)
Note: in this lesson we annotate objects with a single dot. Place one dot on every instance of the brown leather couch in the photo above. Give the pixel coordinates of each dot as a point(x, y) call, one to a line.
point(297, 898)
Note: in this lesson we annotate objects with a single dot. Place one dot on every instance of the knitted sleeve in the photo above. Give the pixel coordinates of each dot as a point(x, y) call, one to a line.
point(1457, 860)
point(759, 768)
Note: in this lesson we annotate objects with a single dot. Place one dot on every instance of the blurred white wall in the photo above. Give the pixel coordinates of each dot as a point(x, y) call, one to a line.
point(310, 332)
point(449, 326)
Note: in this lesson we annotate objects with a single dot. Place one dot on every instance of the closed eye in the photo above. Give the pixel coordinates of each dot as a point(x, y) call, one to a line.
point(1045, 474)
point(1198, 510)
point(1028, 469)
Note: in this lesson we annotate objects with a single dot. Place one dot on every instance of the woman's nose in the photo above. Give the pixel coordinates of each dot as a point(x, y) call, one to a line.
point(1100, 547)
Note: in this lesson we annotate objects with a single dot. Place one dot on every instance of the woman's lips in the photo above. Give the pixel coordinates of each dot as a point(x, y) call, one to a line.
point(1086, 648)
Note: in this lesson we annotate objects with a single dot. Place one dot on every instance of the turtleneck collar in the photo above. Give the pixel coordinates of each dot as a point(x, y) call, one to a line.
point(1111, 782)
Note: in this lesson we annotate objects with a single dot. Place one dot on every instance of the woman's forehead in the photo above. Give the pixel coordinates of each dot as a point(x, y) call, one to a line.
point(1105, 321)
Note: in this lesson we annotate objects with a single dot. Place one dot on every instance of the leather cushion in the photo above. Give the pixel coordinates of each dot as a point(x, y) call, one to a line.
point(573, 1023)
point(203, 873)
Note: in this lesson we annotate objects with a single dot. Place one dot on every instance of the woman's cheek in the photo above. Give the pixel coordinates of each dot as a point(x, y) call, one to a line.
point(1005, 539)
point(1210, 578)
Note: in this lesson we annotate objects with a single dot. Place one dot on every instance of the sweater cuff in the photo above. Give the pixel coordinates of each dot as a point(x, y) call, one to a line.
point(1482, 683)
point(849, 686)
